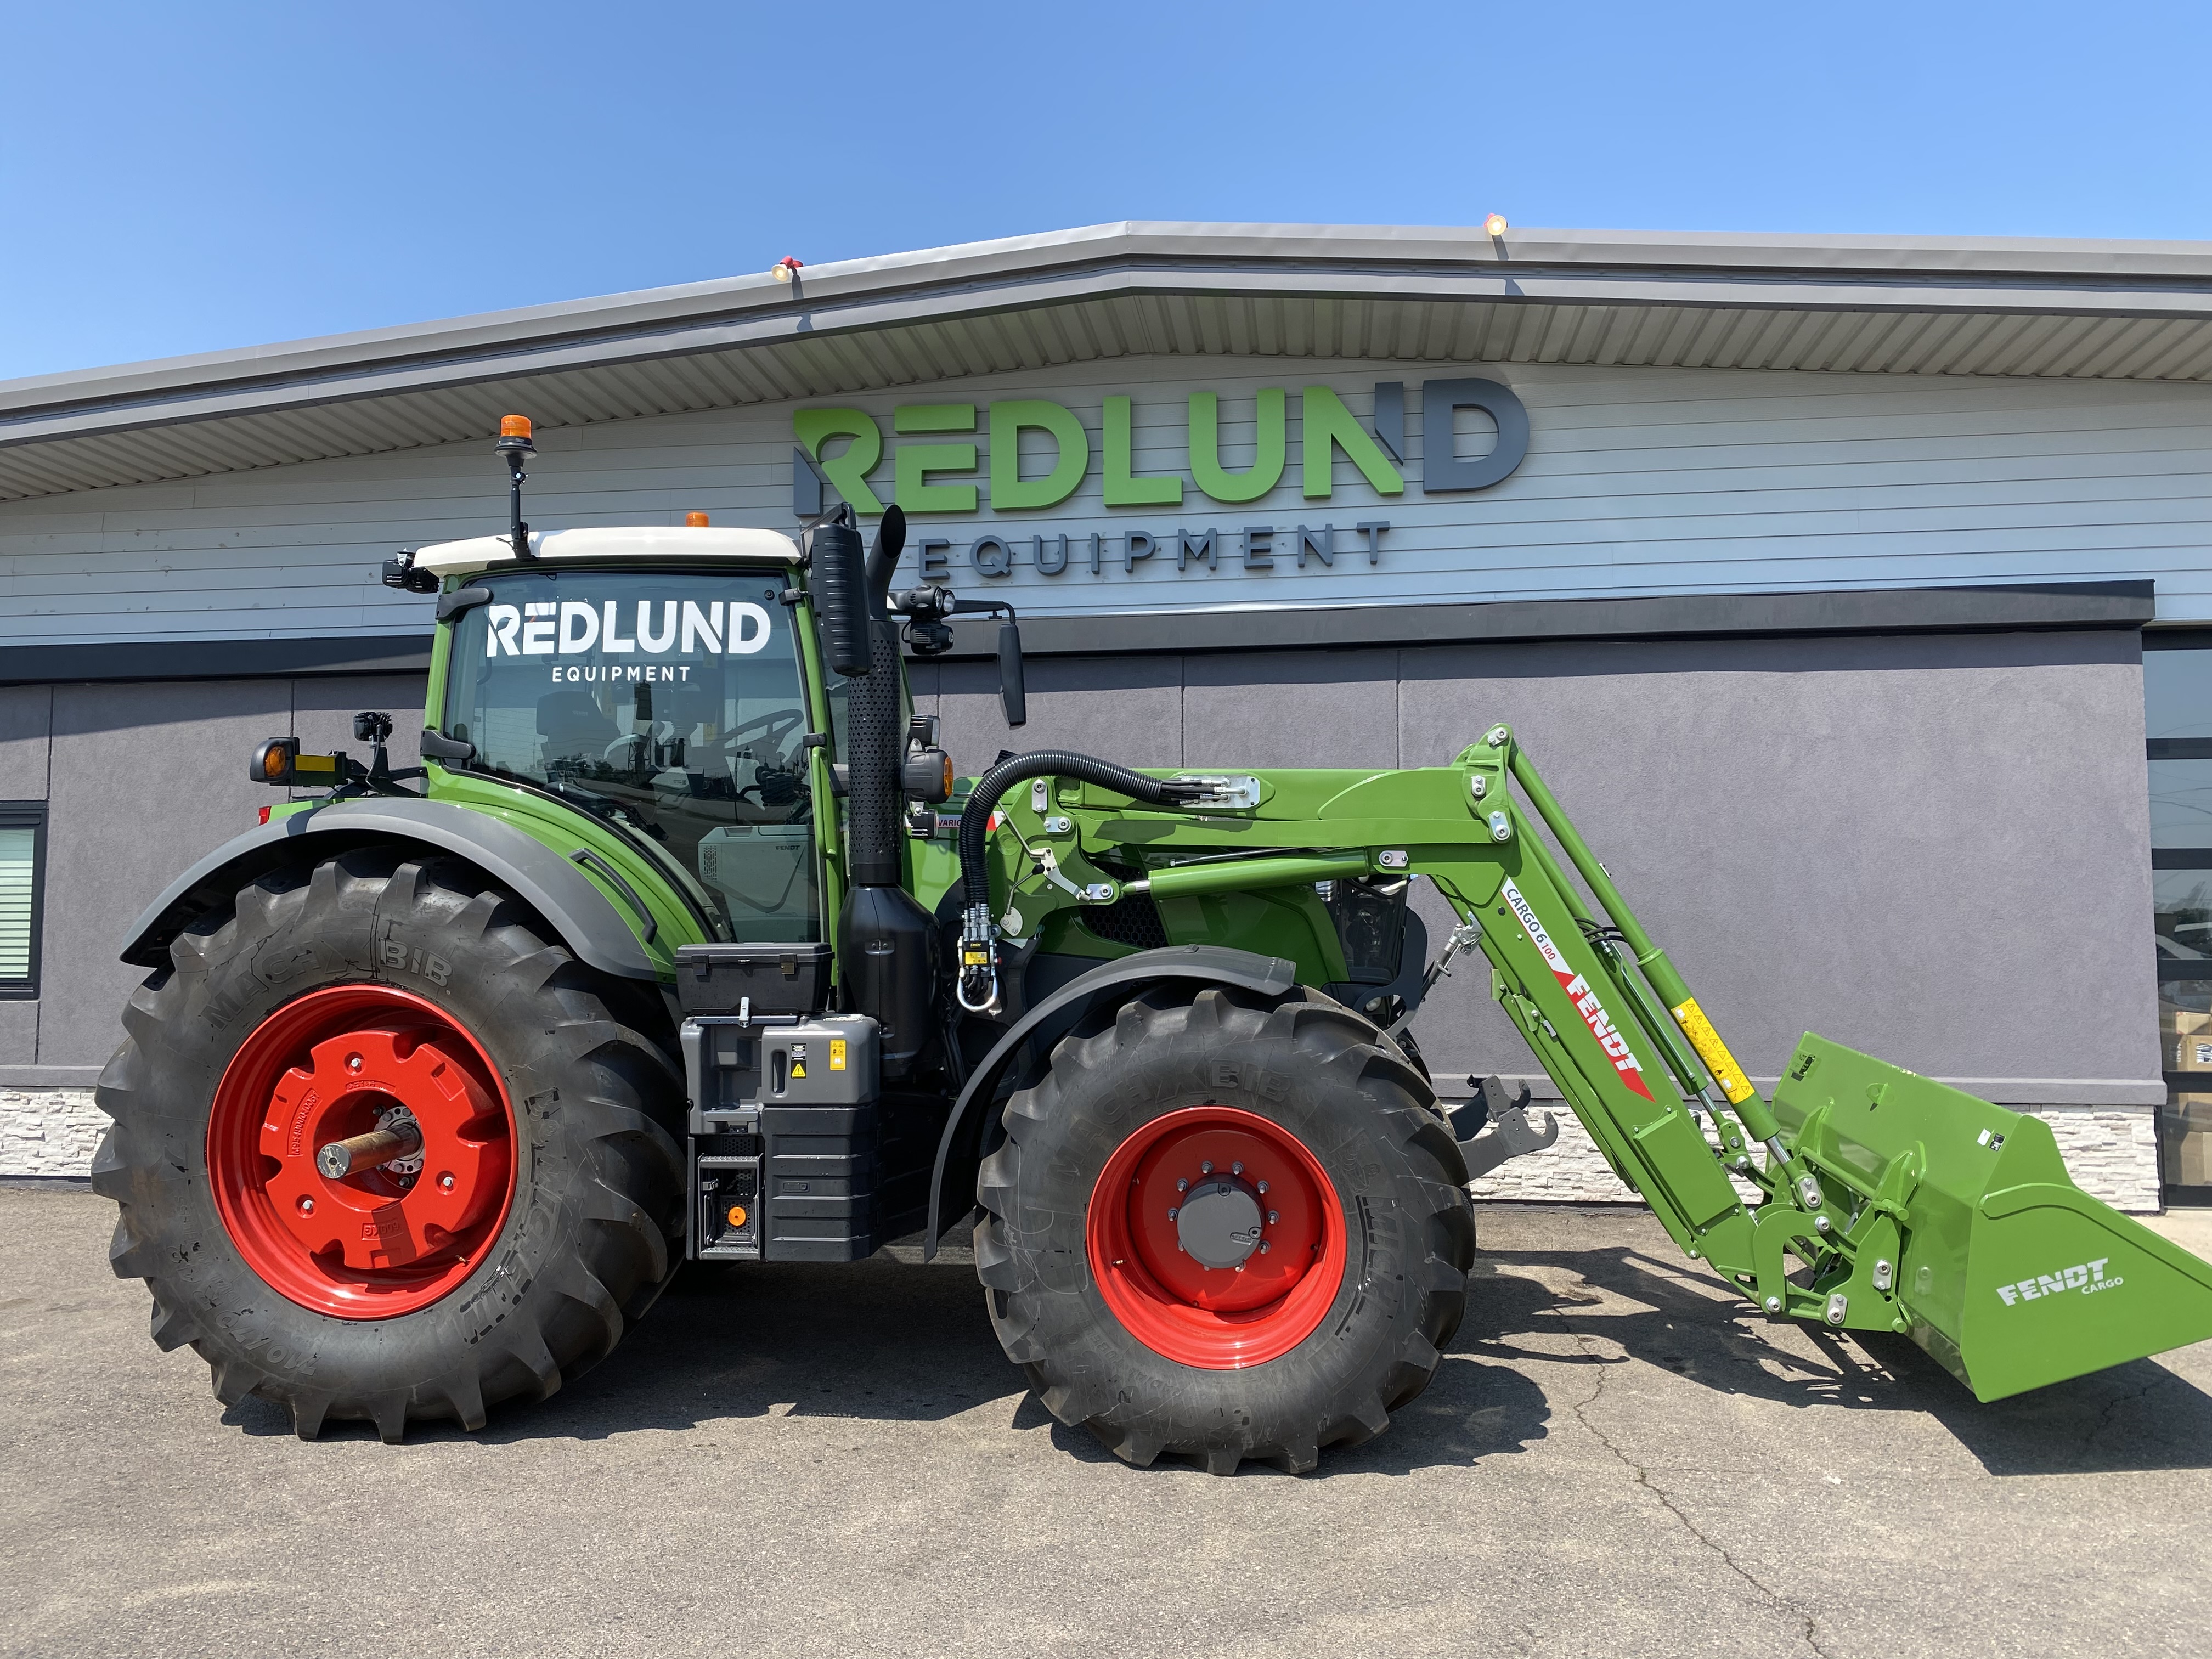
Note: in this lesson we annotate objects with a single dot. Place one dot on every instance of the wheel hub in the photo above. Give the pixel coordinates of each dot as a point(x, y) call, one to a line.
point(381, 1216)
point(1219, 1221)
point(1215, 1237)
point(361, 1151)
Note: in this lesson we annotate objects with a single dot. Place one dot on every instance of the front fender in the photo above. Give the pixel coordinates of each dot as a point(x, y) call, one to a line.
point(584, 918)
point(959, 1149)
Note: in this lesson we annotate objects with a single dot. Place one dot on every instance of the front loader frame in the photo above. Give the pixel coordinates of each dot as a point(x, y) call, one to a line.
point(1806, 1204)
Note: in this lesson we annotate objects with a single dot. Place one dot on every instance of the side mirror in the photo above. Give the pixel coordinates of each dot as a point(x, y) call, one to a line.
point(929, 604)
point(1013, 691)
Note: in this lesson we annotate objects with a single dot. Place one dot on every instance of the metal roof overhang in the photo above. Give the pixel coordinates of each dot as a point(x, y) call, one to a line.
point(1860, 305)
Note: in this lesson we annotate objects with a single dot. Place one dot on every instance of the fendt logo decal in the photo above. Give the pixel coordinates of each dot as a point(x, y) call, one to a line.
point(2088, 1278)
point(1585, 999)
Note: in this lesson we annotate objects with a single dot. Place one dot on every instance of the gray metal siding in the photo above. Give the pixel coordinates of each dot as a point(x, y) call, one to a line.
point(1639, 481)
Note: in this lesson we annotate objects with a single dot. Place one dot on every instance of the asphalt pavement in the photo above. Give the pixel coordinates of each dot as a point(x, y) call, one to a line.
point(1616, 1458)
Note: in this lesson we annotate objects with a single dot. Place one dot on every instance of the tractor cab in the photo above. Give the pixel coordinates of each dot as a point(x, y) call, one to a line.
point(663, 681)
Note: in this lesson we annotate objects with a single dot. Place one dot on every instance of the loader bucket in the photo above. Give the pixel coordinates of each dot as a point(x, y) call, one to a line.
point(2010, 1275)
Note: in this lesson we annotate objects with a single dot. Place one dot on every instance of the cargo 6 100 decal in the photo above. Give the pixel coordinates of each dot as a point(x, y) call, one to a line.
point(1578, 989)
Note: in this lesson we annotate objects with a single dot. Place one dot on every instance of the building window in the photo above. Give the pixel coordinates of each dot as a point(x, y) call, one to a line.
point(2178, 722)
point(22, 877)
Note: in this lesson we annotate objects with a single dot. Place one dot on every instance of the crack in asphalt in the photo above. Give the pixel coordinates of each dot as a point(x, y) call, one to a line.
point(2111, 1407)
point(1643, 1479)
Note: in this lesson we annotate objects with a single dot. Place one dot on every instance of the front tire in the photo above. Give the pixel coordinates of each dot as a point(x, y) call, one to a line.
point(537, 1222)
point(1225, 1227)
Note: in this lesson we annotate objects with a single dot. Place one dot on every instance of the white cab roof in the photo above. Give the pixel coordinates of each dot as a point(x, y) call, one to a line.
point(643, 542)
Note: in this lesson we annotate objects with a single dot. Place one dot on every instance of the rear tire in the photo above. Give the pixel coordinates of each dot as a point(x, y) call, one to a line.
point(1166, 1356)
point(572, 1238)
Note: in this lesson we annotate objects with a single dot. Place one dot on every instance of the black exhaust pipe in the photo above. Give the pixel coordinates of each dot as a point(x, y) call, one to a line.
point(886, 942)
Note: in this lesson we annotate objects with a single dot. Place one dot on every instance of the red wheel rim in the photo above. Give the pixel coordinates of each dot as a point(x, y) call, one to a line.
point(335, 1063)
point(1242, 1168)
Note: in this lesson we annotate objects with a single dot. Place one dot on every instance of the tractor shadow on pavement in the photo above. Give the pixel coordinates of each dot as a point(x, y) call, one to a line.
point(889, 1341)
point(1622, 1306)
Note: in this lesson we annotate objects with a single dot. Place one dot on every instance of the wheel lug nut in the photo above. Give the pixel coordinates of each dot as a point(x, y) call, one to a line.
point(1263, 1247)
point(445, 1185)
point(1173, 1213)
point(353, 1062)
point(306, 1206)
point(1237, 1169)
point(1263, 1186)
point(1271, 1217)
point(1205, 1168)
point(1182, 1186)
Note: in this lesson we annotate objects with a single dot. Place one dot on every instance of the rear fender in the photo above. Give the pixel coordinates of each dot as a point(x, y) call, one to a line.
point(588, 923)
point(1022, 1054)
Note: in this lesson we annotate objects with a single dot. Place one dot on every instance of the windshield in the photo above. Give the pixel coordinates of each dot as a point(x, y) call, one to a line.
point(669, 703)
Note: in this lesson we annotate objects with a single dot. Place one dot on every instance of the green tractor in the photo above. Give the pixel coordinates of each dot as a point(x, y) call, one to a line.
point(684, 943)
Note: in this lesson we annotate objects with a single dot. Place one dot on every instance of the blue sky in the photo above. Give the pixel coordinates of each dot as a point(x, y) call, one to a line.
point(178, 178)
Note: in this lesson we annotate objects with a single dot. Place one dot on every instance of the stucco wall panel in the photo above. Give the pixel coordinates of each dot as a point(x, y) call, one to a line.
point(147, 778)
point(1900, 843)
point(27, 713)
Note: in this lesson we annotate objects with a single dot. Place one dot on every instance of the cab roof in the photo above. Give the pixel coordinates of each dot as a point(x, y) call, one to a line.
point(478, 553)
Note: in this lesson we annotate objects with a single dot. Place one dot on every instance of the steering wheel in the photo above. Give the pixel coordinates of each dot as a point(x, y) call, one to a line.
point(773, 727)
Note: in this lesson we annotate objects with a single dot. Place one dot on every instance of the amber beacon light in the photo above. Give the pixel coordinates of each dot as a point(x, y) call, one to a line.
point(514, 443)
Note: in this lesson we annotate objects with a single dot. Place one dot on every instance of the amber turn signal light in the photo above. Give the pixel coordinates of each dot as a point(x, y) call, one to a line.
point(737, 1215)
point(927, 775)
point(272, 761)
point(694, 521)
point(279, 762)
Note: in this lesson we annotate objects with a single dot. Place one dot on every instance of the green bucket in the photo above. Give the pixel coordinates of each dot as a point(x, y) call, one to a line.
point(2009, 1274)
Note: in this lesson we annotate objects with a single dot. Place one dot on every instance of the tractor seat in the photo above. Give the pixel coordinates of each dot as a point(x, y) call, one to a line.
point(574, 726)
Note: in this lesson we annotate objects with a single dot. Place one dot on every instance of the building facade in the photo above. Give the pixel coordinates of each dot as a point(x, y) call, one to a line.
point(1845, 591)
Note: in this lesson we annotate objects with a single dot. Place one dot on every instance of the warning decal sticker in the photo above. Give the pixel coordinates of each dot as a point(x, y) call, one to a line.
point(1579, 992)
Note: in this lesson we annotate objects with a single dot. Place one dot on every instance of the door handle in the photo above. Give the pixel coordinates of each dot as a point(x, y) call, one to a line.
point(613, 877)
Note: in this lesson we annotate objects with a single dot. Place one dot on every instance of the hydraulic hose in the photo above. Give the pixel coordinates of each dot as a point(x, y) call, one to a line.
point(979, 974)
point(975, 818)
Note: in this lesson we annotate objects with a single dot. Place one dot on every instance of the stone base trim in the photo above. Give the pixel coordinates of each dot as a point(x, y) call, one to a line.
point(2112, 1151)
point(48, 1131)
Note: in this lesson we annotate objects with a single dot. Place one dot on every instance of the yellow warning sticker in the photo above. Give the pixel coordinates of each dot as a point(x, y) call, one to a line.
point(1711, 1049)
point(836, 1054)
point(798, 1068)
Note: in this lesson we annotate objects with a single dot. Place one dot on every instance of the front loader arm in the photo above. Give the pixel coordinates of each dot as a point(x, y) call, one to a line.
point(1616, 1028)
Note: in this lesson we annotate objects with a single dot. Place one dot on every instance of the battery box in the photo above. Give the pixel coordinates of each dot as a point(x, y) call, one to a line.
point(784, 1137)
